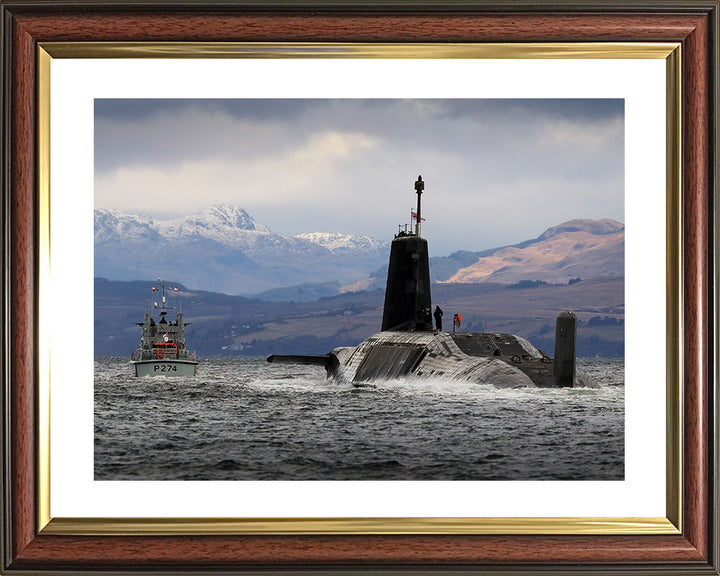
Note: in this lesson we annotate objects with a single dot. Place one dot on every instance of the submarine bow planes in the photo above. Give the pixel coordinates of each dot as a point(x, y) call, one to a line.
point(408, 347)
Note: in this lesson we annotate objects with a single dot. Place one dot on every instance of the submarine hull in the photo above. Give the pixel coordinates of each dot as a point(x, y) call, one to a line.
point(503, 360)
point(408, 347)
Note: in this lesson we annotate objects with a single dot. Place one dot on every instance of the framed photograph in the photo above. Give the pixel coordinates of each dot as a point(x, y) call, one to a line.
point(95, 99)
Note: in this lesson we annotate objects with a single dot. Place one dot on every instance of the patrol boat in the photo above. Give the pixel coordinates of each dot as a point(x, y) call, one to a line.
point(162, 349)
point(407, 346)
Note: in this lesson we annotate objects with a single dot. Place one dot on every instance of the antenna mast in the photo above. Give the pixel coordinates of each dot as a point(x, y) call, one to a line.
point(162, 283)
point(419, 187)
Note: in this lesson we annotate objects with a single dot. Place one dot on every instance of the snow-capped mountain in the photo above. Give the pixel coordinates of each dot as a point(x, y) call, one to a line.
point(235, 228)
point(363, 249)
point(114, 225)
point(344, 243)
point(225, 224)
point(223, 249)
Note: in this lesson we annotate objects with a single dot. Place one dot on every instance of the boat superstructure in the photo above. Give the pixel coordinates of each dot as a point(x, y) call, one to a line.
point(162, 350)
point(408, 347)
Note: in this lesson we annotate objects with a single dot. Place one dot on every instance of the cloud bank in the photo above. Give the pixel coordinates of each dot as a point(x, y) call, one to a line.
point(496, 171)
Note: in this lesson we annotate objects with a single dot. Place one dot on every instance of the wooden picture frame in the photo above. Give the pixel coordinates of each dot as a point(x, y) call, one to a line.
point(29, 546)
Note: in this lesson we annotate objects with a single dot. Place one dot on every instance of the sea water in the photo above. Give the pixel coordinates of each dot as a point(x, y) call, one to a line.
point(244, 419)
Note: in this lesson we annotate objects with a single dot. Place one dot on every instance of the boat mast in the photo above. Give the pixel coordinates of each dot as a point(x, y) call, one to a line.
point(162, 283)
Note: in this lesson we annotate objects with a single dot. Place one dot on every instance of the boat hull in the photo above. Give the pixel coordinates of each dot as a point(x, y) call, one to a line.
point(164, 367)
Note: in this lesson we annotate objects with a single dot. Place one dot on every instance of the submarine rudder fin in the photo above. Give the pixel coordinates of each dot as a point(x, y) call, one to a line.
point(564, 362)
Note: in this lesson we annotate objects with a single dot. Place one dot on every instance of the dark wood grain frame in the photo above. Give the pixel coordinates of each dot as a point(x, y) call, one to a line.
point(694, 24)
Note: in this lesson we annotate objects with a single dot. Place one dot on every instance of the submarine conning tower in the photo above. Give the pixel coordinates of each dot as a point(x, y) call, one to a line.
point(407, 295)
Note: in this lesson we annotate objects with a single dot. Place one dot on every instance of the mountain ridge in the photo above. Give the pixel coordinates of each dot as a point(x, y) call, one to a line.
point(579, 248)
point(223, 249)
point(223, 325)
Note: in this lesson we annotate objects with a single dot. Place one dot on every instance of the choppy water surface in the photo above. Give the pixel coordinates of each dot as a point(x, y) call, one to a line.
point(245, 419)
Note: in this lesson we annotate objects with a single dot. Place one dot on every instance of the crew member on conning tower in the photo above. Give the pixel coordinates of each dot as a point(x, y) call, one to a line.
point(438, 318)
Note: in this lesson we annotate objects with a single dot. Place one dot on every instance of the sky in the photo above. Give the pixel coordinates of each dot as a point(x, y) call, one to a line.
point(496, 171)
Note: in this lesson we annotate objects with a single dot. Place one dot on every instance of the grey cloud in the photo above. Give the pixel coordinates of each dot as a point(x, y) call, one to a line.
point(138, 109)
point(551, 158)
point(586, 109)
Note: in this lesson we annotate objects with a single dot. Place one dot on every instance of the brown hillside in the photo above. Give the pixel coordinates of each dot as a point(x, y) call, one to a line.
point(579, 248)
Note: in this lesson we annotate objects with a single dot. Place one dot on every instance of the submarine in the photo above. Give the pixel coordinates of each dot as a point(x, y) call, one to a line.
point(407, 346)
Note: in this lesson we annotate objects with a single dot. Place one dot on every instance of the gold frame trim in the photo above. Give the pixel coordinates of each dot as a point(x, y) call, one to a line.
point(43, 171)
point(556, 50)
point(674, 310)
point(670, 52)
point(355, 526)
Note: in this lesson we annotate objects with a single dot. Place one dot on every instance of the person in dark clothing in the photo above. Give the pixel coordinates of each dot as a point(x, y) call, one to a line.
point(427, 318)
point(438, 318)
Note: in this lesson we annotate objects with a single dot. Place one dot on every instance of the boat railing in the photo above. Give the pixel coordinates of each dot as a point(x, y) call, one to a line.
point(163, 353)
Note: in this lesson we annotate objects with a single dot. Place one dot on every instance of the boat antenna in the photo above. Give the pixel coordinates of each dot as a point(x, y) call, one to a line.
point(164, 300)
point(419, 187)
point(177, 304)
